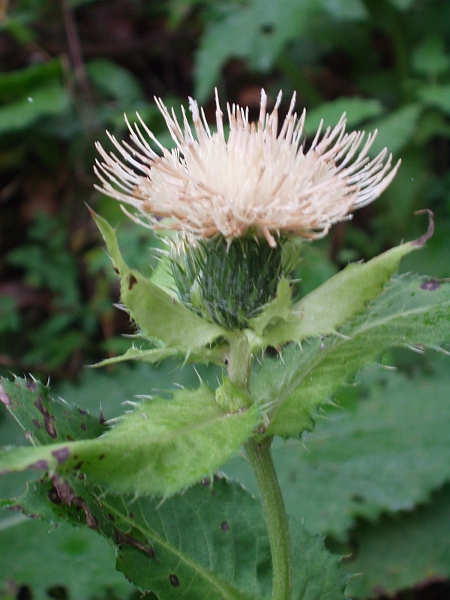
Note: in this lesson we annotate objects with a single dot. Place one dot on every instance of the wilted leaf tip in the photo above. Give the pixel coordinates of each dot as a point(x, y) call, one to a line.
point(426, 236)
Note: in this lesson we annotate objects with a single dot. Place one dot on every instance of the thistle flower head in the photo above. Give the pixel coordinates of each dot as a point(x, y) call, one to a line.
point(256, 181)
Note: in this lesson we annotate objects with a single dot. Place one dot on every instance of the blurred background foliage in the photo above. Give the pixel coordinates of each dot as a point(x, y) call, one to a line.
point(69, 69)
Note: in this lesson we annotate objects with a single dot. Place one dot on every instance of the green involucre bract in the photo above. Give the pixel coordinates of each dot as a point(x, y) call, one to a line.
point(228, 282)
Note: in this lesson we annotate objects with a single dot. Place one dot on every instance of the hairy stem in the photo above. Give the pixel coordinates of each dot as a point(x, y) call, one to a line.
point(261, 460)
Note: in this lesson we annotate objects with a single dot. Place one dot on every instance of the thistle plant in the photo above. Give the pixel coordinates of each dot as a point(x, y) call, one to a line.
point(235, 209)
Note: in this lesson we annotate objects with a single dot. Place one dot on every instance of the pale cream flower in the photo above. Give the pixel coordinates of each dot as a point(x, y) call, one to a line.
point(256, 180)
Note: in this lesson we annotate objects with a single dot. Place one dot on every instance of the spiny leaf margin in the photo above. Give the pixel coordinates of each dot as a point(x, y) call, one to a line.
point(411, 311)
point(209, 542)
point(340, 298)
point(162, 447)
point(159, 315)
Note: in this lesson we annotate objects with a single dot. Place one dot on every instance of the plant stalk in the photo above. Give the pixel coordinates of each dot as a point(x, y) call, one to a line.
point(259, 455)
point(260, 458)
point(240, 363)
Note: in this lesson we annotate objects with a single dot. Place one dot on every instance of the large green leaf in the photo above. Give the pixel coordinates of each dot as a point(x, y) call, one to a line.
point(402, 551)
point(162, 447)
point(411, 311)
point(46, 559)
point(339, 299)
point(210, 542)
point(159, 315)
point(388, 453)
point(106, 390)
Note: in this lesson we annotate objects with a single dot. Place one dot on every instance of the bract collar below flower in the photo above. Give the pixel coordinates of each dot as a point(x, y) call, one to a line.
point(256, 180)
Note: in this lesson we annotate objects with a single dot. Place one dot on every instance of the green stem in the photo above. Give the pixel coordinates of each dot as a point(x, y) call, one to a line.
point(239, 371)
point(261, 460)
point(240, 362)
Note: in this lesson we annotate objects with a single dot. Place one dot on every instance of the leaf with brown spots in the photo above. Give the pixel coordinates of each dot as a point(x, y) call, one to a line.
point(160, 448)
point(46, 420)
point(406, 314)
point(178, 548)
point(430, 285)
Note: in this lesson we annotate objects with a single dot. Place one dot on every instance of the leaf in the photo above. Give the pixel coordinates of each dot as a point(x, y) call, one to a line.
point(47, 420)
point(158, 314)
point(162, 275)
point(114, 81)
point(275, 311)
point(397, 128)
point(317, 574)
point(210, 542)
point(388, 454)
point(339, 299)
point(102, 392)
point(152, 356)
point(433, 123)
point(402, 551)
point(411, 311)
point(19, 83)
point(162, 447)
point(12, 484)
point(436, 95)
point(156, 355)
point(255, 31)
point(42, 558)
point(358, 110)
point(430, 58)
point(46, 100)
point(106, 391)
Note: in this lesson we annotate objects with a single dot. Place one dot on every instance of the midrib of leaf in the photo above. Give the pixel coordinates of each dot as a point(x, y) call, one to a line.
point(176, 433)
point(229, 591)
point(169, 436)
point(398, 315)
